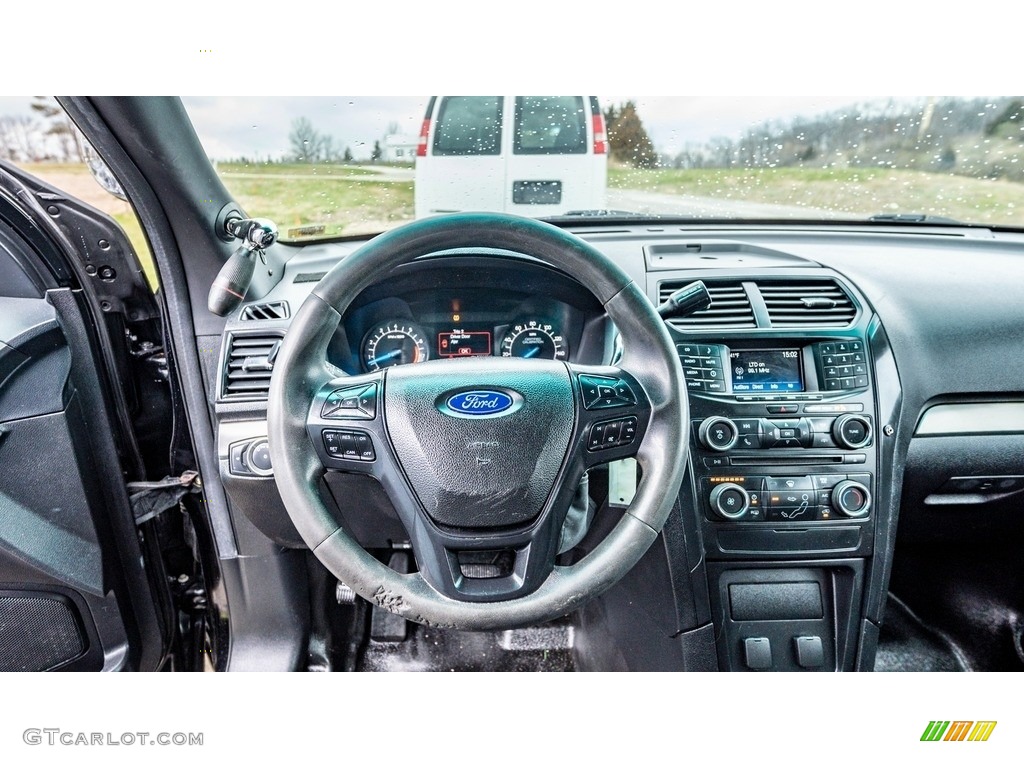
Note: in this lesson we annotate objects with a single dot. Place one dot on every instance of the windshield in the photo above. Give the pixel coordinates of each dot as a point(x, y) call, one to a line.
point(339, 166)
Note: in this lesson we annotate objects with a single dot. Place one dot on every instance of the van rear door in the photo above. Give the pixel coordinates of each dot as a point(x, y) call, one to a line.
point(552, 166)
point(464, 168)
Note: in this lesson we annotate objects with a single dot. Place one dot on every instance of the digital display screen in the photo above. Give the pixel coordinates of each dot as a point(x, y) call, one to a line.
point(766, 370)
point(459, 343)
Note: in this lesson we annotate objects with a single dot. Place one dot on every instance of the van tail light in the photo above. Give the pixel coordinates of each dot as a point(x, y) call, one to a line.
point(600, 139)
point(421, 145)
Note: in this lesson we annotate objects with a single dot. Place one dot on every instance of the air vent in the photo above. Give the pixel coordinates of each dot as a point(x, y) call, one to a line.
point(248, 365)
point(275, 310)
point(807, 303)
point(730, 307)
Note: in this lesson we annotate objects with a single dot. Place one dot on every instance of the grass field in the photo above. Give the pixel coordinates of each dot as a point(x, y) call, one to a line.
point(353, 200)
point(854, 191)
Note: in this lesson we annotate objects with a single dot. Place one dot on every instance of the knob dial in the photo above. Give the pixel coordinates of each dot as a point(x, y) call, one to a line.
point(257, 458)
point(729, 500)
point(851, 498)
point(850, 431)
point(718, 433)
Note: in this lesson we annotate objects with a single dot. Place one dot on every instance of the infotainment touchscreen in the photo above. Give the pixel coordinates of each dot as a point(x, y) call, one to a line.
point(766, 370)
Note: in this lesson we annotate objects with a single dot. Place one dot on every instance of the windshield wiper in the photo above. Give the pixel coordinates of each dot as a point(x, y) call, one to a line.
point(914, 218)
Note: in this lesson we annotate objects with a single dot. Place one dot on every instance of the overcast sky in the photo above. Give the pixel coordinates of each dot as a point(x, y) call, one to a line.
point(237, 126)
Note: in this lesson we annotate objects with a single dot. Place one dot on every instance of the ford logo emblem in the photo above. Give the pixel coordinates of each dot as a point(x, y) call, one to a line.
point(479, 403)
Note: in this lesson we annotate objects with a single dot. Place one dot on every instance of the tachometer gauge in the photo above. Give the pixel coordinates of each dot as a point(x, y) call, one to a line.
point(394, 343)
point(536, 339)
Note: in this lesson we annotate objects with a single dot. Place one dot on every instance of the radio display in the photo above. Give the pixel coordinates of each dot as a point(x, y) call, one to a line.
point(766, 370)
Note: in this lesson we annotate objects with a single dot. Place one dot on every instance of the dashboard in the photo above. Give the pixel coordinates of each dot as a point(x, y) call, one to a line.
point(829, 397)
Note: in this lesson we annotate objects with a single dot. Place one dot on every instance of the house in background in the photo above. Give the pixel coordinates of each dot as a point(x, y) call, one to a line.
point(399, 148)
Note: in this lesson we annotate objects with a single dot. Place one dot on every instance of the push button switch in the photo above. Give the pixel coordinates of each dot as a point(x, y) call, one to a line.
point(757, 652)
point(349, 444)
point(359, 402)
point(605, 392)
point(809, 652)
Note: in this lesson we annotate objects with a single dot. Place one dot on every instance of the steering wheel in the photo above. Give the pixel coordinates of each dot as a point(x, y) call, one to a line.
point(481, 457)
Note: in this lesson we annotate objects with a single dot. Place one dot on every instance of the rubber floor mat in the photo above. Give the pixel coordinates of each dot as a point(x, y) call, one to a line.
point(546, 648)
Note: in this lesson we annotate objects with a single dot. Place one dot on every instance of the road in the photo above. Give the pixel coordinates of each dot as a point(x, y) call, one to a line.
point(637, 201)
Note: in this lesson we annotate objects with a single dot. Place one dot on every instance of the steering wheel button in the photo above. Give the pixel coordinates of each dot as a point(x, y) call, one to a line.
point(611, 433)
point(624, 393)
point(596, 437)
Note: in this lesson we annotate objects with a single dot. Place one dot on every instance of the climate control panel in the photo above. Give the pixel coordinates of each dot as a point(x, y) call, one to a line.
point(788, 498)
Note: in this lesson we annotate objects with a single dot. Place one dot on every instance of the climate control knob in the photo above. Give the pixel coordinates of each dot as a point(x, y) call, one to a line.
point(718, 433)
point(851, 498)
point(850, 431)
point(730, 501)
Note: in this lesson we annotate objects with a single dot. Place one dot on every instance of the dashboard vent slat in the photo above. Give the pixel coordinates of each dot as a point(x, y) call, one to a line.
point(274, 310)
point(248, 364)
point(730, 307)
point(807, 303)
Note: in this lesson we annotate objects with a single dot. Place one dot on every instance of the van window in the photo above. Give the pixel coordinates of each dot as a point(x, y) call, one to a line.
point(469, 125)
point(550, 125)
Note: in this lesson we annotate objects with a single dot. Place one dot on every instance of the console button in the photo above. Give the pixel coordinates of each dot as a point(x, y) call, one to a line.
point(695, 385)
point(757, 652)
point(809, 652)
point(789, 483)
point(714, 386)
point(692, 373)
point(783, 408)
point(747, 426)
point(787, 442)
point(851, 431)
point(687, 350)
point(860, 381)
point(827, 481)
point(729, 500)
point(718, 433)
point(748, 441)
point(851, 498)
point(822, 440)
point(827, 349)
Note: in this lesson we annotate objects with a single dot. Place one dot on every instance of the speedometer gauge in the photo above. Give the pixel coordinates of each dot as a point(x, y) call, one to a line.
point(394, 343)
point(536, 339)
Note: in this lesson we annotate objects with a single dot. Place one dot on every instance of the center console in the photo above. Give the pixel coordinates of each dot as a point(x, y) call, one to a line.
point(785, 459)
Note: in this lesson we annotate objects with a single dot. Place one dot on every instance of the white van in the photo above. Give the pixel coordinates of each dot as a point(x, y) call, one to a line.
point(533, 155)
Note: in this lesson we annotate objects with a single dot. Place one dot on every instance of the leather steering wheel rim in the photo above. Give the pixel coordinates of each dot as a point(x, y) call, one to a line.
point(301, 369)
